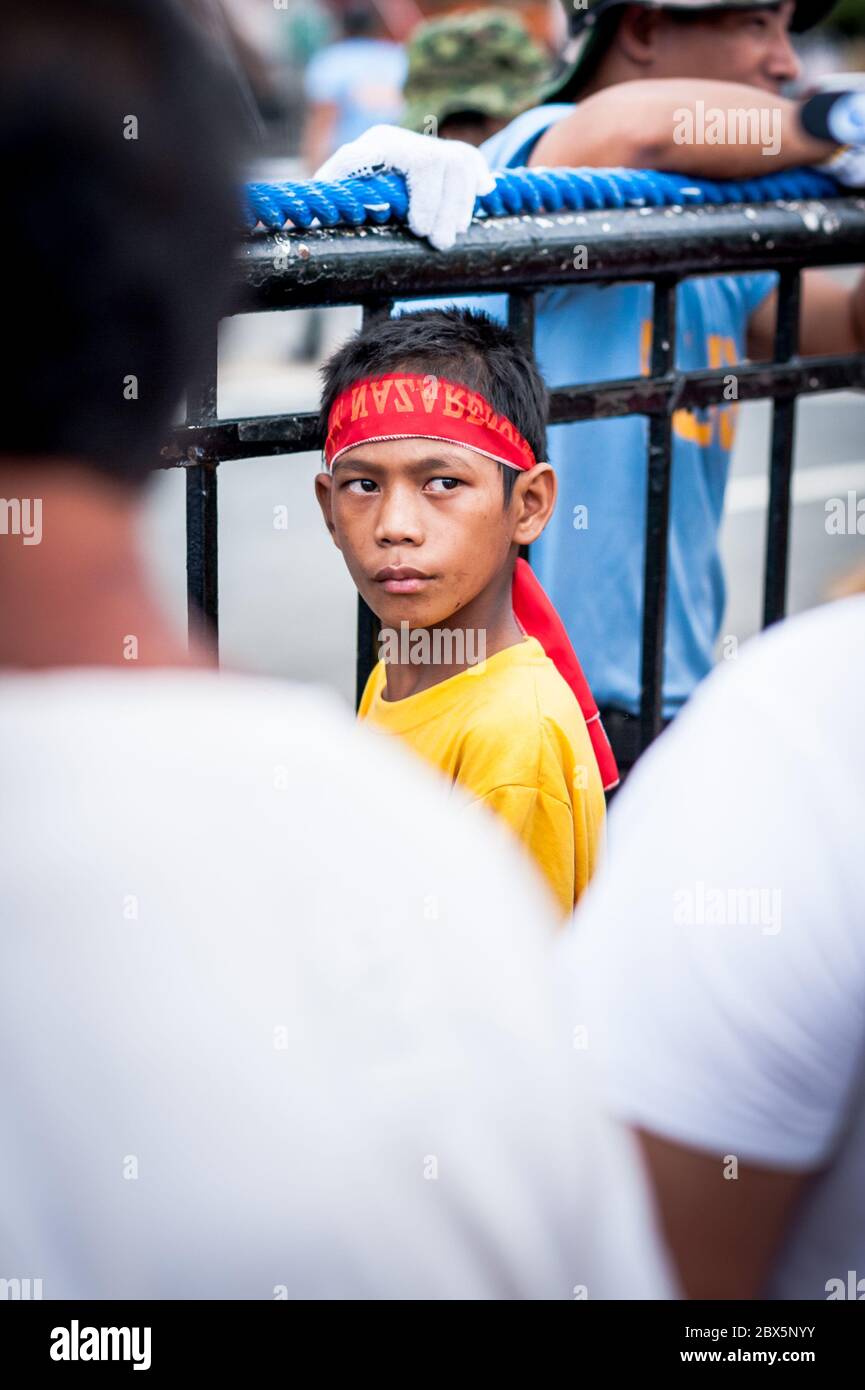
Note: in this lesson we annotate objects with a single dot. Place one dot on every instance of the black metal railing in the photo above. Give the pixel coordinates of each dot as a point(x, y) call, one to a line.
point(522, 255)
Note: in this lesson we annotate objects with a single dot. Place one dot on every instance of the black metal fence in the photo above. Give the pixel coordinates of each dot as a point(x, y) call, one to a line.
point(521, 255)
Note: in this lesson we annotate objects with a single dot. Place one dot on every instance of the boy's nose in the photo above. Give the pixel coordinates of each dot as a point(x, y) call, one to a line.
point(398, 521)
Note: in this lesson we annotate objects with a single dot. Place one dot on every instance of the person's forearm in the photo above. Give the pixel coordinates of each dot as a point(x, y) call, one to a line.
point(857, 312)
point(717, 129)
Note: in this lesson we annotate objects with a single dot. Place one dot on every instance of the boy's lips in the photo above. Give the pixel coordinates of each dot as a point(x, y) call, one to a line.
point(401, 579)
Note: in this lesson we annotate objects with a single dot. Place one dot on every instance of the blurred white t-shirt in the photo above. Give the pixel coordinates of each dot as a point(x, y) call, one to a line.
point(720, 955)
point(274, 1023)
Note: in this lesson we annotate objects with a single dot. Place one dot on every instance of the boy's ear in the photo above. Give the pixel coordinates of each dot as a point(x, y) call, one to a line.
point(324, 493)
point(534, 499)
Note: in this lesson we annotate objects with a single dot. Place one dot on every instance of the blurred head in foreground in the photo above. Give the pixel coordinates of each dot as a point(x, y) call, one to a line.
point(116, 146)
point(118, 142)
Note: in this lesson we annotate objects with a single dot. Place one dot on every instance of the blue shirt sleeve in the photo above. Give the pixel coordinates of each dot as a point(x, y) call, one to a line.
point(511, 148)
point(325, 77)
point(754, 288)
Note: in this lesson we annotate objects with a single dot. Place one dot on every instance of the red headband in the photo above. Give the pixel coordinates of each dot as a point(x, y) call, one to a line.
point(408, 406)
point(405, 406)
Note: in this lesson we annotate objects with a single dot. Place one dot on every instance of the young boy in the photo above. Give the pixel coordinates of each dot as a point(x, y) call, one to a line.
point(434, 426)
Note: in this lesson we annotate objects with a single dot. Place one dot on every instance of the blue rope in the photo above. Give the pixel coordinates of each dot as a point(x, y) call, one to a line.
point(382, 197)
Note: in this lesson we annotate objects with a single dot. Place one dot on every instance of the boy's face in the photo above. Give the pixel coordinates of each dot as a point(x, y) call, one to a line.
point(434, 509)
point(750, 46)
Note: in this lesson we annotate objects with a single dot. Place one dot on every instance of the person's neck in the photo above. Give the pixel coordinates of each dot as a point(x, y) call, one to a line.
point(72, 588)
point(477, 631)
point(611, 73)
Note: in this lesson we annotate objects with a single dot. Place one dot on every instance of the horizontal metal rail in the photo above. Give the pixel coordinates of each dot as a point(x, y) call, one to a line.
point(264, 435)
point(290, 270)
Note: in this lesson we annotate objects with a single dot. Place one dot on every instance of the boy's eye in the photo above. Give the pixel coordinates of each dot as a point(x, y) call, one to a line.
point(360, 485)
point(447, 484)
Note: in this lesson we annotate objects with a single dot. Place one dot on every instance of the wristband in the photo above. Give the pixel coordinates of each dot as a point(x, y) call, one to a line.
point(835, 116)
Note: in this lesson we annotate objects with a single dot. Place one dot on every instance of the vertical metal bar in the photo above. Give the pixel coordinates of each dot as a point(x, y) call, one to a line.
point(367, 637)
point(781, 454)
point(367, 622)
point(657, 517)
point(202, 522)
point(202, 557)
point(521, 321)
point(375, 309)
point(521, 317)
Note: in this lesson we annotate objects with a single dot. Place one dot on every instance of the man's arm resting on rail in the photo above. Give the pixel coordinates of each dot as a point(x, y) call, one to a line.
point(831, 319)
point(634, 125)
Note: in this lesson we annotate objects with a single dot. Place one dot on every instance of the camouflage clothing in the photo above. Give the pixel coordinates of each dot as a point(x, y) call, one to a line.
point(485, 62)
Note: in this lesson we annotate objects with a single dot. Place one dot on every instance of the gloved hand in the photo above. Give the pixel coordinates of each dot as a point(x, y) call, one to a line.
point(443, 177)
point(839, 116)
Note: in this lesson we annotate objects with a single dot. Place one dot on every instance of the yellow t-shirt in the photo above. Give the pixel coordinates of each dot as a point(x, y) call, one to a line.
point(510, 731)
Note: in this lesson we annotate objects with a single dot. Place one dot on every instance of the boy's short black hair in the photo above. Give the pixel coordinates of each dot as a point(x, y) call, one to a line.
point(461, 345)
point(120, 133)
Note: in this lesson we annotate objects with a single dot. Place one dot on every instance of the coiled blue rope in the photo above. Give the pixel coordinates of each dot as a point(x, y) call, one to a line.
point(382, 197)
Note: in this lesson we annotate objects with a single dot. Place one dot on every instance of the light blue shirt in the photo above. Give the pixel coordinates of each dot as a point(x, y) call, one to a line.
point(364, 79)
point(590, 557)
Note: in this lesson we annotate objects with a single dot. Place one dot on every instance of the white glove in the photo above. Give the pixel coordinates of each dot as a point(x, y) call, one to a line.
point(443, 177)
point(847, 166)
